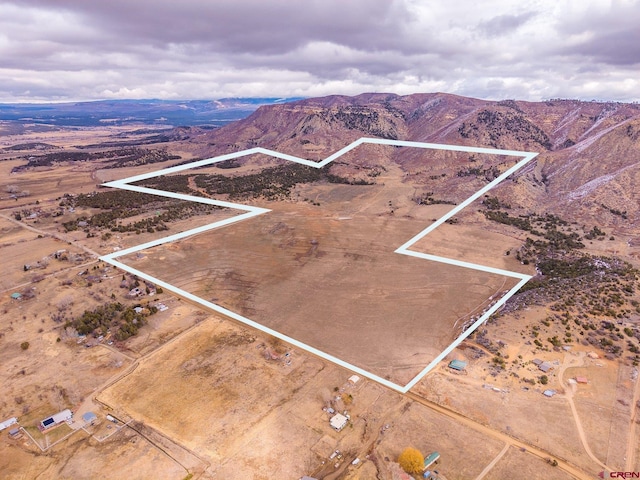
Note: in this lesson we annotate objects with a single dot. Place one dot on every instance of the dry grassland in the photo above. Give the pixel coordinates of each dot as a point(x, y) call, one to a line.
point(527, 415)
point(332, 282)
point(518, 464)
point(213, 392)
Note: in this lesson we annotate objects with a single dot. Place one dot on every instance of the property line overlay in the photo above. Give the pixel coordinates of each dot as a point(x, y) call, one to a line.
point(252, 211)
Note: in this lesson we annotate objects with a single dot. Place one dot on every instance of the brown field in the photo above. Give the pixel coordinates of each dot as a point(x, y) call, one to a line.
point(518, 464)
point(543, 422)
point(213, 392)
point(281, 268)
point(201, 389)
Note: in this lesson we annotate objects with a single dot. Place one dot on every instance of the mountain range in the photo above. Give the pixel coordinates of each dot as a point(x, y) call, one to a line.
point(589, 152)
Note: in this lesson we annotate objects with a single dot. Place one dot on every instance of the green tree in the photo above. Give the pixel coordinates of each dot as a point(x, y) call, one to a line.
point(24, 345)
point(411, 460)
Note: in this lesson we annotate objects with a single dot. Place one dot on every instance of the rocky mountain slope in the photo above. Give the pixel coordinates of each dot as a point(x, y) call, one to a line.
point(588, 167)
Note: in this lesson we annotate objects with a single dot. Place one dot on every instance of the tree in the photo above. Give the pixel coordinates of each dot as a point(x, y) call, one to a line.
point(24, 345)
point(411, 460)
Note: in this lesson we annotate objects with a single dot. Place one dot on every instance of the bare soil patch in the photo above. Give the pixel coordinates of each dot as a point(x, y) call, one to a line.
point(411, 309)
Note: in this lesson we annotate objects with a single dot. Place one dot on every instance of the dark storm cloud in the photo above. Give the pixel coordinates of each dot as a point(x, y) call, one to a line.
point(79, 49)
point(611, 35)
point(257, 26)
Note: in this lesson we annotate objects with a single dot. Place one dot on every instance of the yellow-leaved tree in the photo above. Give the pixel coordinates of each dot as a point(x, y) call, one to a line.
point(411, 460)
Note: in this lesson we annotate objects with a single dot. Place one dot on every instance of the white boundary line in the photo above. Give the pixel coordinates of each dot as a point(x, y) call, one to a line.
point(252, 211)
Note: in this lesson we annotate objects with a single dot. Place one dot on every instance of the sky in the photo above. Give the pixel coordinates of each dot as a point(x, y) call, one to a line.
point(73, 50)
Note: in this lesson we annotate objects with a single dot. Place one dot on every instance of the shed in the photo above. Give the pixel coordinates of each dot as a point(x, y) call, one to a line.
point(545, 367)
point(537, 361)
point(582, 380)
point(338, 422)
point(8, 422)
point(16, 296)
point(15, 433)
point(89, 417)
point(431, 459)
point(549, 393)
point(354, 379)
point(458, 365)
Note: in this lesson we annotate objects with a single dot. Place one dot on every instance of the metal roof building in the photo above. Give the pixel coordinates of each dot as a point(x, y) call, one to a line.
point(431, 459)
point(458, 365)
point(338, 421)
point(7, 423)
point(56, 419)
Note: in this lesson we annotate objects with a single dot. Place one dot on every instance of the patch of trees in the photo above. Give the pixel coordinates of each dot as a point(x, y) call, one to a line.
point(497, 124)
point(173, 183)
point(489, 174)
point(120, 157)
point(121, 204)
point(429, 199)
point(112, 316)
point(364, 119)
point(273, 183)
point(615, 211)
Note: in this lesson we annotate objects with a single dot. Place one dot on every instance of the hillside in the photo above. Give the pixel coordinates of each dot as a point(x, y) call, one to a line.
point(589, 151)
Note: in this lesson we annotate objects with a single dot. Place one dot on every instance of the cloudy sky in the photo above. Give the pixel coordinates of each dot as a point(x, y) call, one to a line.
point(55, 50)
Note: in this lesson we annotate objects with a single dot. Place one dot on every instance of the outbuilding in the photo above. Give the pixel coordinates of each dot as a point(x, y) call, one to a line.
point(354, 379)
point(89, 417)
point(545, 367)
point(458, 365)
point(338, 422)
point(582, 380)
point(431, 459)
point(8, 422)
point(549, 393)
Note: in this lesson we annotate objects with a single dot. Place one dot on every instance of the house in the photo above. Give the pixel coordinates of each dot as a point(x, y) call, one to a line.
point(545, 367)
point(55, 420)
point(338, 422)
point(7, 423)
point(15, 433)
point(458, 365)
point(537, 361)
point(134, 292)
point(582, 380)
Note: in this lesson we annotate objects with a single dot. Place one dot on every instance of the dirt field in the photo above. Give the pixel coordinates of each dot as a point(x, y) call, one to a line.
point(408, 308)
point(203, 393)
point(214, 392)
point(528, 415)
point(518, 464)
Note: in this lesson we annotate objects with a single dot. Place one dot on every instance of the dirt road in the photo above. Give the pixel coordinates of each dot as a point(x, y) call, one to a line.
point(509, 441)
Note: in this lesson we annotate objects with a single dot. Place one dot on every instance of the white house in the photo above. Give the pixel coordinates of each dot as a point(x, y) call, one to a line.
point(338, 422)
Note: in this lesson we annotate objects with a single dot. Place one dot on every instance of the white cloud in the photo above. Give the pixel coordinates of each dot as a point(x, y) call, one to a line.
point(76, 49)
